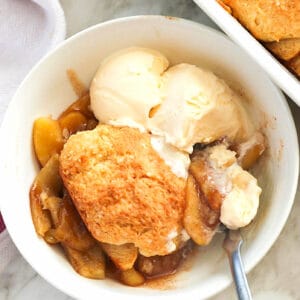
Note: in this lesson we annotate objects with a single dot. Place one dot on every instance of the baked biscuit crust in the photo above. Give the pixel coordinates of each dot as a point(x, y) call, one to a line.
point(123, 190)
point(268, 20)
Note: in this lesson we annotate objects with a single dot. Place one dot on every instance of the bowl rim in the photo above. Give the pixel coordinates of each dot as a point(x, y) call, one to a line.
point(292, 185)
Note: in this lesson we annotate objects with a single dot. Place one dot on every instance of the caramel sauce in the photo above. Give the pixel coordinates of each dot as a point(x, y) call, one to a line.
point(78, 87)
point(169, 281)
point(175, 263)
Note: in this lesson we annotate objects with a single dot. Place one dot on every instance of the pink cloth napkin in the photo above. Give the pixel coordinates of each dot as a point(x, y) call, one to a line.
point(28, 29)
point(2, 225)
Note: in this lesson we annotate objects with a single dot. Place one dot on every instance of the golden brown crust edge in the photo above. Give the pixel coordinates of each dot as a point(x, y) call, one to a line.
point(285, 49)
point(268, 20)
point(226, 7)
point(294, 65)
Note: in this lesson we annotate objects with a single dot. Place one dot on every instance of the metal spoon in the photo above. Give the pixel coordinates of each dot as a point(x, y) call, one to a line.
point(232, 244)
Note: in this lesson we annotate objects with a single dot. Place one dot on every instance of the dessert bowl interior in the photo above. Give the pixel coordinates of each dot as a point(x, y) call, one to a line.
point(47, 90)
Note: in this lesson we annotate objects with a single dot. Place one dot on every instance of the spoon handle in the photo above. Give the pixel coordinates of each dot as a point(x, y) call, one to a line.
point(239, 275)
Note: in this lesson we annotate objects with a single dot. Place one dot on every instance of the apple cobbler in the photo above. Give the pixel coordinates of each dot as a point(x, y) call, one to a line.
point(276, 23)
point(131, 182)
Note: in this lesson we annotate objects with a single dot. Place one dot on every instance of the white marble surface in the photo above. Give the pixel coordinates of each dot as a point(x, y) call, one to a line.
point(276, 276)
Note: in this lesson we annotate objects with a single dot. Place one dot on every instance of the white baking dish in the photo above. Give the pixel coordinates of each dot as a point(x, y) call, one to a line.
point(46, 90)
point(280, 75)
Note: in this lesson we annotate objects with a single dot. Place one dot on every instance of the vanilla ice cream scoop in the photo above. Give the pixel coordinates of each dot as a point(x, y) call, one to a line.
point(178, 161)
point(240, 205)
point(239, 188)
point(198, 107)
point(127, 86)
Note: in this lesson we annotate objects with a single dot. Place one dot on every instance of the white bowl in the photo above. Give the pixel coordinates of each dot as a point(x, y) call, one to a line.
point(277, 71)
point(46, 90)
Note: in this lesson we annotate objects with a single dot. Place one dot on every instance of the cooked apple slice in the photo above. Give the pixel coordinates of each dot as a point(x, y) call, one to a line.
point(91, 124)
point(90, 264)
point(123, 256)
point(41, 218)
point(81, 105)
point(70, 229)
point(209, 193)
point(47, 138)
point(46, 184)
point(72, 122)
point(200, 220)
point(155, 266)
point(50, 238)
point(132, 277)
point(53, 204)
point(249, 152)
